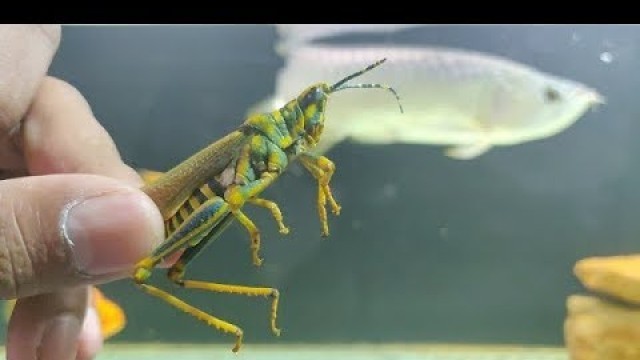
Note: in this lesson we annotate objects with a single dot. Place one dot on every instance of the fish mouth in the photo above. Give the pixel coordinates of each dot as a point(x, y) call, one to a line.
point(592, 97)
point(588, 94)
point(597, 99)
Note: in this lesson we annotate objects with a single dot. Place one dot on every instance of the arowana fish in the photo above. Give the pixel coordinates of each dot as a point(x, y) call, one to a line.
point(464, 100)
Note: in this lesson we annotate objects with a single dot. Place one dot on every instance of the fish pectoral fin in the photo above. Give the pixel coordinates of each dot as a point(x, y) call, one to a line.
point(468, 151)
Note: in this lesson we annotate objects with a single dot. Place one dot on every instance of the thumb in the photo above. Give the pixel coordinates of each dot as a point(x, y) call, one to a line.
point(70, 229)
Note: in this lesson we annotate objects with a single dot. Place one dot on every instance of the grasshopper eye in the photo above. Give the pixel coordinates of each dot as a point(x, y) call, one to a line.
point(313, 96)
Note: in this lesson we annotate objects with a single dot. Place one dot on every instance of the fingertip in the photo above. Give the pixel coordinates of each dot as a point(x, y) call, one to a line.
point(26, 52)
point(47, 326)
point(71, 229)
point(51, 32)
point(90, 341)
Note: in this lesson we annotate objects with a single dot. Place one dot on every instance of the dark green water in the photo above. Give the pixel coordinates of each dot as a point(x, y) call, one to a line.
point(427, 249)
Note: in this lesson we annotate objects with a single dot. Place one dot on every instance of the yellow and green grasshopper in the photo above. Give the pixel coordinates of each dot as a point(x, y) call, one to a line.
point(201, 196)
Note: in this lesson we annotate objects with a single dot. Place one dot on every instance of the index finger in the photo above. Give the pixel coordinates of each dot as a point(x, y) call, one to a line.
point(26, 52)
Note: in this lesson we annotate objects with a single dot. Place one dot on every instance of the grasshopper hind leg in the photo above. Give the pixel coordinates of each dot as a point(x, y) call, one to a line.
point(175, 273)
point(208, 319)
point(179, 304)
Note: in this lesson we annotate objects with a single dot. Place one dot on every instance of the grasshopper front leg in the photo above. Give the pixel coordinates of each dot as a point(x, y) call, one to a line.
point(322, 170)
point(275, 212)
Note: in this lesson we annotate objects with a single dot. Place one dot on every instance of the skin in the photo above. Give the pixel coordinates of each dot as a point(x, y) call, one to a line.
point(60, 173)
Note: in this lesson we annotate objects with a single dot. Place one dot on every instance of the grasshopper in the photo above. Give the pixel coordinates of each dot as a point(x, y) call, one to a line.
point(202, 196)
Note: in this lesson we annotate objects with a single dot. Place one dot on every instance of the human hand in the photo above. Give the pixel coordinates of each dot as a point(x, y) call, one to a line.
point(72, 213)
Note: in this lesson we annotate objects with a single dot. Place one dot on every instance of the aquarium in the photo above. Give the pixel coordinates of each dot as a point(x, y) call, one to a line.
point(463, 212)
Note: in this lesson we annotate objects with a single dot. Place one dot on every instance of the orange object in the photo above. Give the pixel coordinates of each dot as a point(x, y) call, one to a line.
point(111, 315)
point(149, 176)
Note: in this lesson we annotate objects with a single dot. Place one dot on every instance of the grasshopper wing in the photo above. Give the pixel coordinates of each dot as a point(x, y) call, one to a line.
point(176, 185)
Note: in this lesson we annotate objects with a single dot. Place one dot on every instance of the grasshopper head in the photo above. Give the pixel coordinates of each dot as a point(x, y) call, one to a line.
point(313, 102)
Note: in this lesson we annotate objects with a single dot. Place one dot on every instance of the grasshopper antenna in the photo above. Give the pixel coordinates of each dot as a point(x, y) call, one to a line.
point(342, 84)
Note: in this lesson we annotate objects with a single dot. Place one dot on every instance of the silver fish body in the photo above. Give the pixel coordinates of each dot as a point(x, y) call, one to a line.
point(467, 101)
point(293, 36)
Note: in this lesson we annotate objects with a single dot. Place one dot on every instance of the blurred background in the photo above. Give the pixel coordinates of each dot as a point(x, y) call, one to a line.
point(427, 248)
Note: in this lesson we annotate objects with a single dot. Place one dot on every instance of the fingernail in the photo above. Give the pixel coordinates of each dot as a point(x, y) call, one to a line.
point(109, 233)
point(60, 338)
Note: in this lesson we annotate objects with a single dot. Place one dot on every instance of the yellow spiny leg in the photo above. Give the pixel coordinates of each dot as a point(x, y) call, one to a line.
point(210, 320)
point(176, 273)
point(254, 234)
point(322, 211)
point(213, 210)
point(237, 195)
point(275, 212)
point(322, 170)
point(240, 290)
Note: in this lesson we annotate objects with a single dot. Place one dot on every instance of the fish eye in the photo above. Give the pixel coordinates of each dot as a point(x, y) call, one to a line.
point(551, 95)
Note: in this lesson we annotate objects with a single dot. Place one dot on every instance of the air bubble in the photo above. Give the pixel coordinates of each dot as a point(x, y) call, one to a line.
point(606, 57)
